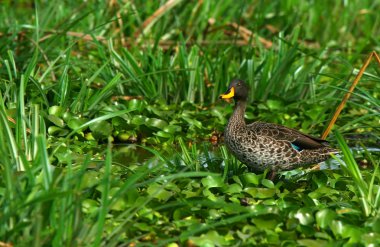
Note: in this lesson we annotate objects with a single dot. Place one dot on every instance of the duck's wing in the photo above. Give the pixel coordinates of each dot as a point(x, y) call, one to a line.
point(298, 139)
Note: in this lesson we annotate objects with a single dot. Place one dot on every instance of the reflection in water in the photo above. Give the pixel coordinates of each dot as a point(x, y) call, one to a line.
point(130, 154)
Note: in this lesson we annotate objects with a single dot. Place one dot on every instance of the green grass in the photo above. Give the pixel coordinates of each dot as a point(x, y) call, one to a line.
point(82, 166)
point(367, 191)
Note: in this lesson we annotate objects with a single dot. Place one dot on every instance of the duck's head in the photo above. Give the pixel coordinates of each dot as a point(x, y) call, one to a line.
point(237, 89)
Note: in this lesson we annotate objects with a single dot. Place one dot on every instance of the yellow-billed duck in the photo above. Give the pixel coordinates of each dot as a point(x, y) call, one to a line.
point(266, 145)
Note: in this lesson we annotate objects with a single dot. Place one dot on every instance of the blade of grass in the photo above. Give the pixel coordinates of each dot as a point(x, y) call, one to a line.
point(105, 92)
point(104, 208)
point(64, 82)
point(351, 167)
point(12, 144)
point(47, 176)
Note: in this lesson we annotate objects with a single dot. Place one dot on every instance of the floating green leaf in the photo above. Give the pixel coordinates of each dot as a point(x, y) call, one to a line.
point(56, 120)
point(76, 122)
point(157, 191)
point(213, 182)
point(251, 178)
point(260, 192)
point(101, 129)
point(324, 217)
point(156, 123)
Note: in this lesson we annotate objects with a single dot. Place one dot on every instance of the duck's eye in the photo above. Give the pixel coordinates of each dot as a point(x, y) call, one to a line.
point(239, 84)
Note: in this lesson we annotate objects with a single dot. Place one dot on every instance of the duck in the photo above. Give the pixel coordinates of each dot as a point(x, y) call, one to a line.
point(262, 145)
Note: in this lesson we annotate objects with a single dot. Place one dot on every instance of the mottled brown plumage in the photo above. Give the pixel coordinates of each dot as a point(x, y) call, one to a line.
point(266, 145)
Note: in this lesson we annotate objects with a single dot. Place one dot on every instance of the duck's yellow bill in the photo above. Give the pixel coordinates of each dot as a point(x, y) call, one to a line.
point(229, 94)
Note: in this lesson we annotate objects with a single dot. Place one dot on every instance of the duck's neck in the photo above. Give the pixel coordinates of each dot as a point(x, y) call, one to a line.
point(237, 118)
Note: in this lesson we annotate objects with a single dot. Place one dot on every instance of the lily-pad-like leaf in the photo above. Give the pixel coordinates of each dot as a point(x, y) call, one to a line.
point(137, 104)
point(142, 226)
point(120, 204)
point(90, 179)
point(312, 242)
point(65, 155)
point(101, 129)
point(189, 193)
point(145, 212)
point(213, 181)
point(132, 194)
point(337, 227)
point(275, 104)
point(179, 214)
point(163, 134)
point(157, 123)
point(305, 216)
point(173, 129)
point(89, 137)
point(182, 221)
point(89, 206)
point(267, 183)
point(261, 209)
point(324, 217)
point(233, 188)
point(249, 115)
point(57, 121)
point(322, 192)
point(76, 122)
point(209, 195)
point(260, 192)
point(354, 233)
point(160, 111)
point(371, 239)
point(375, 224)
point(316, 113)
point(57, 131)
point(67, 116)
point(157, 191)
point(124, 136)
point(214, 214)
point(265, 222)
point(56, 110)
point(212, 238)
point(251, 178)
point(138, 120)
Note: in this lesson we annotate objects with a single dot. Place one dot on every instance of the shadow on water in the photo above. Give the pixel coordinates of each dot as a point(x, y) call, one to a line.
point(130, 154)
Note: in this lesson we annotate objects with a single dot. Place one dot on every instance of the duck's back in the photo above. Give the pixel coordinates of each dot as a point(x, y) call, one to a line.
point(266, 145)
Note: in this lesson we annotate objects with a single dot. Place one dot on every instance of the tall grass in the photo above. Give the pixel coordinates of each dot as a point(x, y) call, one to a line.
point(367, 189)
point(61, 63)
point(200, 73)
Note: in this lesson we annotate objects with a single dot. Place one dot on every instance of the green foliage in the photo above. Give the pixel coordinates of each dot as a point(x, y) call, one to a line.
point(367, 192)
point(111, 126)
